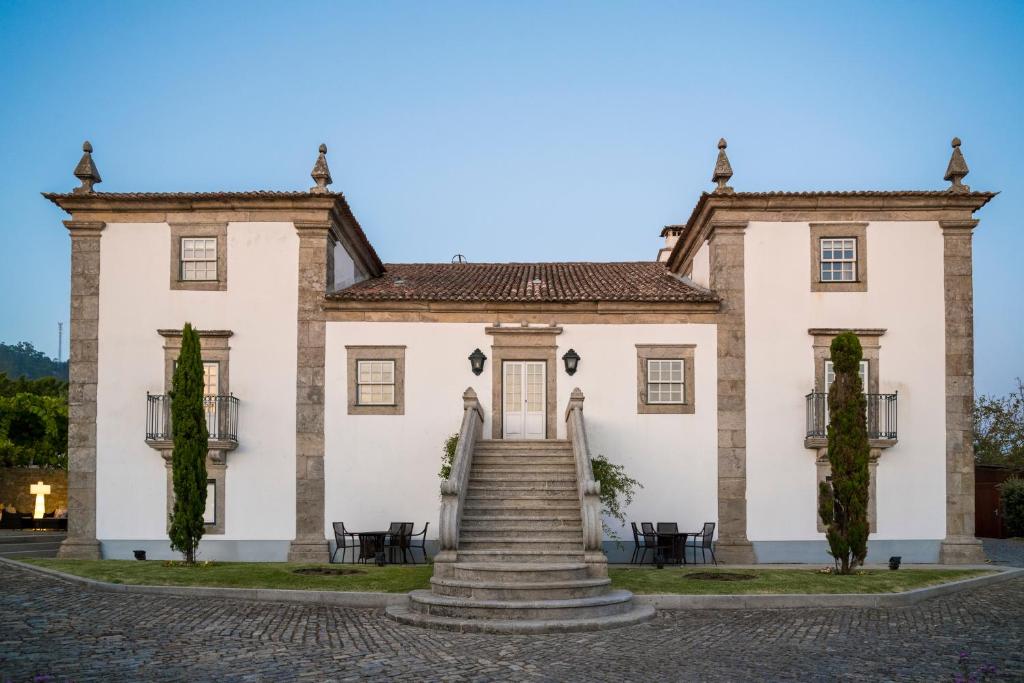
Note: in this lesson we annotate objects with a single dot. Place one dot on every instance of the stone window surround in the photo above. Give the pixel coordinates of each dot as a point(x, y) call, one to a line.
point(824, 469)
point(684, 352)
point(524, 343)
point(376, 352)
point(215, 230)
point(869, 341)
point(857, 231)
point(213, 347)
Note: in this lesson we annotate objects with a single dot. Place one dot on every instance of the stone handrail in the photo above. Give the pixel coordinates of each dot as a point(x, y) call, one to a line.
point(453, 488)
point(589, 489)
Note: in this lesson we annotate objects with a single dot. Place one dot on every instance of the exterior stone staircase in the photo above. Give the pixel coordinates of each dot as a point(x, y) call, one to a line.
point(16, 545)
point(521, 562)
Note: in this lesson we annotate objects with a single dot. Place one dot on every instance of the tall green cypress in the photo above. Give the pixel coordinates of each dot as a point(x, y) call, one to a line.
point(843, 503)
point(191, 442)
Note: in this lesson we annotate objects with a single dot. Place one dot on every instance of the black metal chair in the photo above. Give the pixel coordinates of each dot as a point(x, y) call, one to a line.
point(341, 536)
point(420, 544)
point(703, 541)
point(667, 540)
point(650, 539)
point(398, 539)
point(637, 547)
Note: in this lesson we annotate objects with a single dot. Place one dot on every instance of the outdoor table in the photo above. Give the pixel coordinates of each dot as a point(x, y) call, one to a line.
point(676, 545)
point(371, 543)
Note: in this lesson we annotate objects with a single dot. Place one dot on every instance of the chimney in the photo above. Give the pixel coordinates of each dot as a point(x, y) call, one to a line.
point(671, 234)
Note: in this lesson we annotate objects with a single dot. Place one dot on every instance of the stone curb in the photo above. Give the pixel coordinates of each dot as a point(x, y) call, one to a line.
point(666, 602)
point(903, 599)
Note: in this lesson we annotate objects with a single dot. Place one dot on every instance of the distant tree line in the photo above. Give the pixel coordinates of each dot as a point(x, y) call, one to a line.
point(24, 360)
point(999, 429)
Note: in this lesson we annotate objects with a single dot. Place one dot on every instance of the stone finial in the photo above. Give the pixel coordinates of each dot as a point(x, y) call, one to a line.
point(86, 171)
point(723, 169)
point(957, 169)
point(321, 174)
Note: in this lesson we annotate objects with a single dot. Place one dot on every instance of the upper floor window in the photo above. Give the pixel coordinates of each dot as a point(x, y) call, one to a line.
point(376, 382)
point(665, 381)
point(839, 259)
point(198, 258)
point(830, 375)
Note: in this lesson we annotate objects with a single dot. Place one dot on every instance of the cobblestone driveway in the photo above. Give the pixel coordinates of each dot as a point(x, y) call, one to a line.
point(72, 633)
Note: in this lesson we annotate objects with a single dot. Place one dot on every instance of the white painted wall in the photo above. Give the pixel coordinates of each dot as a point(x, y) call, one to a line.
point(345, 271)
point(259, 306)
point(701, 272)
point(380, 468)
point(905, 296)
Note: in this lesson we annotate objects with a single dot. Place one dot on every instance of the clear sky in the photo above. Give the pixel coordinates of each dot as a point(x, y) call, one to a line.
point(510, 131)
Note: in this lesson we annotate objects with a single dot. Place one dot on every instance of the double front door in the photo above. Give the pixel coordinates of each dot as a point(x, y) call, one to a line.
point(523, 399)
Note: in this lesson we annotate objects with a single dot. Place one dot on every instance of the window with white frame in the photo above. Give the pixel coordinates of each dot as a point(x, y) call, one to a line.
point(198, 258)
point(210, 513)
point(830, 375)
point(375, 382)
point(665, 381)
point(839, 259)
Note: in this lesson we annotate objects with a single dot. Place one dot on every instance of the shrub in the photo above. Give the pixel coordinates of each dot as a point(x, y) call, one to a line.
point(1011, 492)
point(617, 491)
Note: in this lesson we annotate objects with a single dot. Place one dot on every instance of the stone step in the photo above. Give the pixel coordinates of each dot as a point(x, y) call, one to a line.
point(520, 460)
point(405, 615)
point(21, 537)
point(497, 531)
point(520, 572)
point(609, 604)
point(504, 445)
point(526, 495)
point(502, 555)
point(516, 544)
point(571, 522)
point(524, 470)
point(503, 508)
point(29, 550)
point(522, 485)
point(521, 478)
point(533, 590)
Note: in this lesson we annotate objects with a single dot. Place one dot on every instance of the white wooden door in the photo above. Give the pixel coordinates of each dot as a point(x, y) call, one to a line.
point(524, 400)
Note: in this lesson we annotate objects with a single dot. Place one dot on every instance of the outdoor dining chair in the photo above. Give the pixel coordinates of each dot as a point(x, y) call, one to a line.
point(703, 541)
point(650, 539)
point(667, 539)
point(419, 542)
point(398, 539)
point(341, 538)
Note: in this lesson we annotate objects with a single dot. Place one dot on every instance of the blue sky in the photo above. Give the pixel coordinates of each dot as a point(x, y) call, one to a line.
point(511, 131)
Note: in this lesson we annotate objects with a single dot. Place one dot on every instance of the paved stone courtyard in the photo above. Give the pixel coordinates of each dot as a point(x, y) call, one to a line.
point(52, 628)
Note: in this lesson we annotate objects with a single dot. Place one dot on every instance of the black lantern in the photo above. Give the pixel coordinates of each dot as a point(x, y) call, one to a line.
point(572, 361)
point(476, 361)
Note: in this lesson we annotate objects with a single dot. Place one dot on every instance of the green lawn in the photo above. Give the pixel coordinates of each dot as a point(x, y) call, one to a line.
point(401, 579)
point(777, 581)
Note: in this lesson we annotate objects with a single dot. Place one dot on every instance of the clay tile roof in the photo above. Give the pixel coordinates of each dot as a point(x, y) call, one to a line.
point(244, 194)
point(644, 281)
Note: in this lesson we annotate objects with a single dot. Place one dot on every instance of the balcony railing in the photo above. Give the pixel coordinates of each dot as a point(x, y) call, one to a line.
point(881, 416)
point(221, 418)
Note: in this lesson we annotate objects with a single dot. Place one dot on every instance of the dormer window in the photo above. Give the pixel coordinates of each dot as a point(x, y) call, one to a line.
point(839, 259)
point(198, 259)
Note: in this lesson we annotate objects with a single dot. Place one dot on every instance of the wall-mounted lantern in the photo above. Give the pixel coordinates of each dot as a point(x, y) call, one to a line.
point(476, 361)
point(572, 361)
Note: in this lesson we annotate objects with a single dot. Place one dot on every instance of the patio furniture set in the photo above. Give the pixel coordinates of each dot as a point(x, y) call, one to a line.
point(669, 545)
point(381, 546)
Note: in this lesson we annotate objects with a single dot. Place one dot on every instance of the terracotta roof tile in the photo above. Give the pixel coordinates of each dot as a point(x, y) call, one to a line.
point(643, 281)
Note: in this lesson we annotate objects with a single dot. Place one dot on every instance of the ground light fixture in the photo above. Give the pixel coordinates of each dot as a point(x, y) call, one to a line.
point(476, 361)
point(894, 562)
point(572, 361)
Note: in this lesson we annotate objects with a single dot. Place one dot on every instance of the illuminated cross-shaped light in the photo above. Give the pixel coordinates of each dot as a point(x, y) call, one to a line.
point(40, 491)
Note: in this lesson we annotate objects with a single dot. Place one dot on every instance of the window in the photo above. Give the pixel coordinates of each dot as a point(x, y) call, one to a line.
point(830, 375)
point(376, 382)
point(839, 259)
point(210, 513)
point(198, 258)
point(211, 372)
point(665, 381)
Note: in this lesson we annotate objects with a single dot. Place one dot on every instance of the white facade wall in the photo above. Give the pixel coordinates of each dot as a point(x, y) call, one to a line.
point(382, 468)
point(259, 306)
point(701, 271)
point(905, 297)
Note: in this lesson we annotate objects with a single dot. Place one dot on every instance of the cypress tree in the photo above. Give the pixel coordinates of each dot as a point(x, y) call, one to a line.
point(843, 503)
point(191, 442)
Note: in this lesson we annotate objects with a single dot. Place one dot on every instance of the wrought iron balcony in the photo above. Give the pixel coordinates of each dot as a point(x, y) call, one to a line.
point(221, 420)
point(881, 419)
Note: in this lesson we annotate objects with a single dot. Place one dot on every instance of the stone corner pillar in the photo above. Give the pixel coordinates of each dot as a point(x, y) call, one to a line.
point(83, 363)
point(726, 256)
point(960, 545)
point(310, 543)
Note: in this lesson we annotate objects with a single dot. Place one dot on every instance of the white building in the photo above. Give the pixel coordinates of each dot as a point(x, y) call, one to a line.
point(341, 376)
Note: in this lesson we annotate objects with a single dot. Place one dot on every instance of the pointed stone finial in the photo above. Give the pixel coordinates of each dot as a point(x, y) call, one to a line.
point(723, 170)
point(86, 171)
point(321, 174)
point(957, 169)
